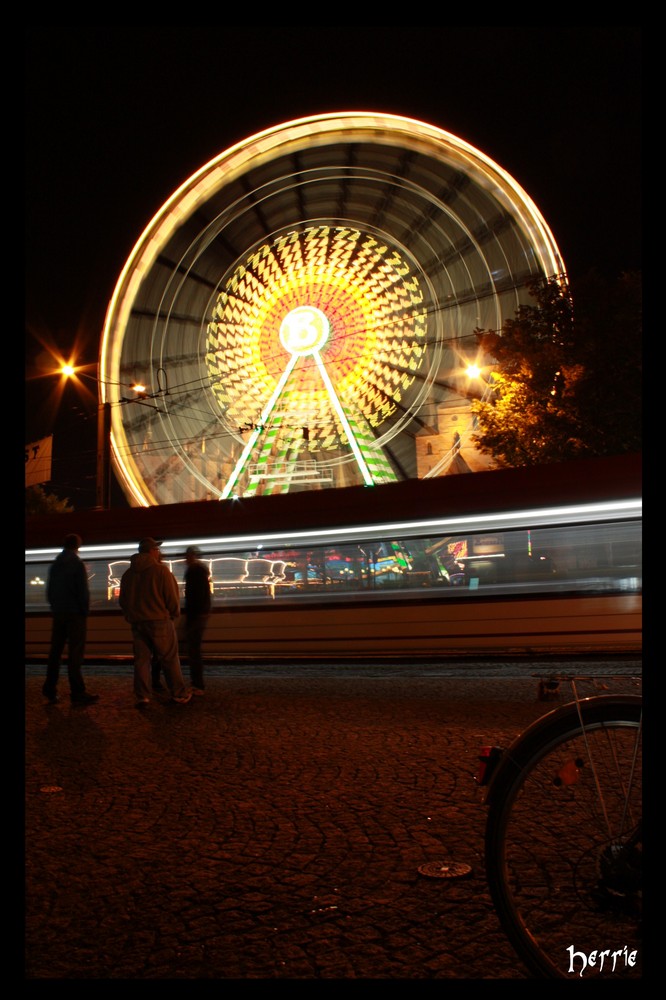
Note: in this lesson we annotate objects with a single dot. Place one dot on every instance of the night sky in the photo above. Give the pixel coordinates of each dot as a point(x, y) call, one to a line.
point(117, 118)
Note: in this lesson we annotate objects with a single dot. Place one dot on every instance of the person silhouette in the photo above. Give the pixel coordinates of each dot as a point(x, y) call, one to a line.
point(69, 597)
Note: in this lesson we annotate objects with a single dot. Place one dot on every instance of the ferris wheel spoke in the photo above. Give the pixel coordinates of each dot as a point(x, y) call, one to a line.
point(256, 431)
point(339, 409)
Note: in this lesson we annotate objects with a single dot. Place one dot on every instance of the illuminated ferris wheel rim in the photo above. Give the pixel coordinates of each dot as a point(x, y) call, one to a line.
point(313, 131)
point(263, 148)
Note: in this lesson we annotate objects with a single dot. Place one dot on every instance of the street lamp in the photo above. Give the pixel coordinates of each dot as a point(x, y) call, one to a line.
point(475, 373)
point(103, 478)
point(103, 468)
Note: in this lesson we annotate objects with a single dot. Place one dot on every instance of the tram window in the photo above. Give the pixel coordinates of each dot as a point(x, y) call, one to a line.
point(36, 577)
point(566, 558)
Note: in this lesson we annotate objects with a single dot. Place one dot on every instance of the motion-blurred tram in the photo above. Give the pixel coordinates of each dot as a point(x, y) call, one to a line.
point(532, 561)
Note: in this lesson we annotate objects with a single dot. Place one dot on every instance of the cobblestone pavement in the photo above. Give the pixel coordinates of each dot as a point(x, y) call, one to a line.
point(273, 829)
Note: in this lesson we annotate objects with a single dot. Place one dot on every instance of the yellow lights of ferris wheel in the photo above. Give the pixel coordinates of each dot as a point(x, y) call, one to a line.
point(322, 295)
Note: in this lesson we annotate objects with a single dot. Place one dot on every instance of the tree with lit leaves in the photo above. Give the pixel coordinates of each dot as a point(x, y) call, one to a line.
point(566, 374)
point(38, 501)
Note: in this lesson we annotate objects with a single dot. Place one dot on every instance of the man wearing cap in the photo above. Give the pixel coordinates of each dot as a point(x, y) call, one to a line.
point(69, 597)
point(149, 598)
point(197, 610)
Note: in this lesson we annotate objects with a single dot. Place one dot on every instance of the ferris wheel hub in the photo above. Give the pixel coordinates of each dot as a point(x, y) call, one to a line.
point(304, 330)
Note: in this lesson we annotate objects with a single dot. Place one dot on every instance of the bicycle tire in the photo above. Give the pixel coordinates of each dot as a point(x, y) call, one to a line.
point(562, 804)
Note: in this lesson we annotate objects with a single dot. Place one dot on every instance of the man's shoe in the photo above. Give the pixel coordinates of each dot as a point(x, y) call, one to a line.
point(52, 699)
point(84, 699)
point(196, 690)
point(183, 700)
point(142, 702)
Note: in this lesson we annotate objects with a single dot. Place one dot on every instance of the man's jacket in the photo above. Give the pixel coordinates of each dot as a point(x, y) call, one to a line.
point(148, 590)
point(67, 587)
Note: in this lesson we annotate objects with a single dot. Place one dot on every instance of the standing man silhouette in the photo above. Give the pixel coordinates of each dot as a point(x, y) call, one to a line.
point(197, 610)
point(150, 600)
point(69, 597)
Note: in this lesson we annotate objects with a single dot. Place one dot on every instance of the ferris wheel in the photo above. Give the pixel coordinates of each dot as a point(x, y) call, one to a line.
point(302, 309)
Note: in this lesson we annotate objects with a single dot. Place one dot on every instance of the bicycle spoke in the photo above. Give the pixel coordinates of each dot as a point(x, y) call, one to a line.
point(565, 861)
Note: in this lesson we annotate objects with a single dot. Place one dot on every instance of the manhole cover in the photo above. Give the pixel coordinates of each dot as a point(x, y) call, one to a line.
point(445, 869)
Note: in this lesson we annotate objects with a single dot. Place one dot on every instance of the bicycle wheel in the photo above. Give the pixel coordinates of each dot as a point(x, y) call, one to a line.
point(563, 841)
